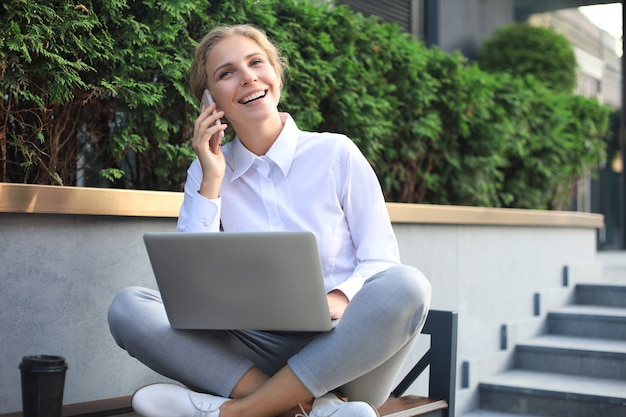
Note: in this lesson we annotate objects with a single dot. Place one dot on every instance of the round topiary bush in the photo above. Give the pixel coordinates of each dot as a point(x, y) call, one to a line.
point(521, 49)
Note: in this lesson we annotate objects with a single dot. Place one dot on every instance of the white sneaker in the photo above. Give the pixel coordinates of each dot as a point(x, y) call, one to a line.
point(329, 405)
point(171, 400)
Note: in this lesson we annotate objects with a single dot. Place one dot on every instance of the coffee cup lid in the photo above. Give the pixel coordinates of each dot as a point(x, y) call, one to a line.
point(43, 363)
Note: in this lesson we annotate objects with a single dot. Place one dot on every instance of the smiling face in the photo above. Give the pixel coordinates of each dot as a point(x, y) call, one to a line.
point(242, 80)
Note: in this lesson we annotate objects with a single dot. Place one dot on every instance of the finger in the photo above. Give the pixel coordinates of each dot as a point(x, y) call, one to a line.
point(204, 122)
point(212, 119)
point(208, 109)
point(216, 138)
point(205, 116)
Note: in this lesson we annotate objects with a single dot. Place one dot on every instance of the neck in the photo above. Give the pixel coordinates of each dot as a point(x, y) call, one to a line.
point(258, 138)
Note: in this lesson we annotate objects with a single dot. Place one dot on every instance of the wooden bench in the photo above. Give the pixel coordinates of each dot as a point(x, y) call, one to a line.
point(441, 357)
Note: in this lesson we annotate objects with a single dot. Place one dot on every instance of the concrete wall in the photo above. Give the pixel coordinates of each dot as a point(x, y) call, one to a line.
point(58, 274)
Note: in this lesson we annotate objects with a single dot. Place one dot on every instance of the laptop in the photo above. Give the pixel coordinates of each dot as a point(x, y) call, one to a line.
point(268, 281)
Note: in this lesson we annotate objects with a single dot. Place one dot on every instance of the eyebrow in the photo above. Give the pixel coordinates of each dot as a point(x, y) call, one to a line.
point(227, 64)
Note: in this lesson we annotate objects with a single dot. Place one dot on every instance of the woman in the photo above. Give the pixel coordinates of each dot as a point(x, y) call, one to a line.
point(273, 176)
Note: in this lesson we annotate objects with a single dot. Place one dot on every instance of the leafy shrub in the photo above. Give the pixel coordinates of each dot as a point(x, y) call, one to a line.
point(436, 128)
point(558, 138)
point(100, 84)
point(521, 49)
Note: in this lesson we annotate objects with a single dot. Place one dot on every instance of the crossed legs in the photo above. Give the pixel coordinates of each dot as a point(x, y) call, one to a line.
point(271, 372)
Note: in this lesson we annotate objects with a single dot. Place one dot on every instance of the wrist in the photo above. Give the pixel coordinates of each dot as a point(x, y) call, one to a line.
point(210, 188)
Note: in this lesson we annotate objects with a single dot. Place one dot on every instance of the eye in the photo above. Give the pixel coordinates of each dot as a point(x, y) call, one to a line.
point(256, 61)
point(224, 74)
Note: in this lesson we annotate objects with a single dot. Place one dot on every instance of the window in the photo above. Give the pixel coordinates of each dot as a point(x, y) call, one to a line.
point(406, 13)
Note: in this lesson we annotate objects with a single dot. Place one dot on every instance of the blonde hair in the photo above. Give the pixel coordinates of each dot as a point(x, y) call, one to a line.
point(198, 75)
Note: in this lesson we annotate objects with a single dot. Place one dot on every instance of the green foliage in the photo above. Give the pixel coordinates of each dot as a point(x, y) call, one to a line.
point(558, 135)
point(436, 128)
point(522, 49)
point(102, 84)
point(558, 138)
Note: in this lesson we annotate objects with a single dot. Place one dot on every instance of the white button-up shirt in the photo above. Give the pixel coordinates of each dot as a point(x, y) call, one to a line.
point(318, 182)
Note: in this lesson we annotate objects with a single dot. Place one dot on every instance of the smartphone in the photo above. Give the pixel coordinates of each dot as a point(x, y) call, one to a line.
point(207, 100)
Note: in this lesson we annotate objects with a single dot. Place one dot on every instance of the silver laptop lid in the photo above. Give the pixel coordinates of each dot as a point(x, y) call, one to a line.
point(256, 281)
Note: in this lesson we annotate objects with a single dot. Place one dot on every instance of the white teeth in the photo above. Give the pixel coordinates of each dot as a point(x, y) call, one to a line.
point(253, 96)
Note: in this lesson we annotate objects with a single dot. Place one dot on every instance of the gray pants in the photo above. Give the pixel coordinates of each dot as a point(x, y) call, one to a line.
point(361, 356)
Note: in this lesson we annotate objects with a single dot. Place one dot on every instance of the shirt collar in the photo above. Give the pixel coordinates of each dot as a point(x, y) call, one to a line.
point(281, 153)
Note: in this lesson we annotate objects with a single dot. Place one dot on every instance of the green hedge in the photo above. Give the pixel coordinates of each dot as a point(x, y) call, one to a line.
point(521, 49)
point(100, 84)
point(435, 127)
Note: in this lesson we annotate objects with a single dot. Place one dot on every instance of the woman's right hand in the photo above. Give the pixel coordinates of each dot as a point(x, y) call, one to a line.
point(209, 151)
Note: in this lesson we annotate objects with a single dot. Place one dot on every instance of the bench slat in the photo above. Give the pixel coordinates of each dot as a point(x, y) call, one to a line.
point(411, 406)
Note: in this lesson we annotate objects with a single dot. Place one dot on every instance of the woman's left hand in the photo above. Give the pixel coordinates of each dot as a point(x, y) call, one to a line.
point(337, 302)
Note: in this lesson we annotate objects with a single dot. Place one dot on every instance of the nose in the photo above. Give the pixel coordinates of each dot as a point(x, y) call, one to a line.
point(248, 76)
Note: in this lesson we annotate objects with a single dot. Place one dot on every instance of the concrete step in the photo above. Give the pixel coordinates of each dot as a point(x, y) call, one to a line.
point(555, 395)
point(489, 413)
point(601, 294)
point(588, 321)
point(600, 358)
